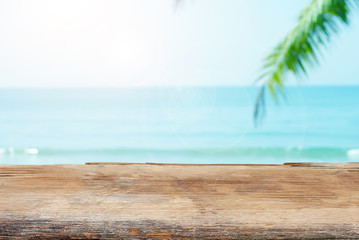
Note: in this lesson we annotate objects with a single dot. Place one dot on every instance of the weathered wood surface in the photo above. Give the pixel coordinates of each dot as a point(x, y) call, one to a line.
point(156, 201)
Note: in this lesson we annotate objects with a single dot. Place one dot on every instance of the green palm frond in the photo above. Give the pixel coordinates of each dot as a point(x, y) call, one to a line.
point(299, 50)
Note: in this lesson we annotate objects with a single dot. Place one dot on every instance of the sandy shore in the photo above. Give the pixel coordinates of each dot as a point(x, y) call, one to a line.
point(151, 201)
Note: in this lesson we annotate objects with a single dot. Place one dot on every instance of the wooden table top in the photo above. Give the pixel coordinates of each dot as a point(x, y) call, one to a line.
point(174, 201)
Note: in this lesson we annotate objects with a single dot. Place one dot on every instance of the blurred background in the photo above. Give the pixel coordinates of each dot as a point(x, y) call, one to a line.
point(149, 81)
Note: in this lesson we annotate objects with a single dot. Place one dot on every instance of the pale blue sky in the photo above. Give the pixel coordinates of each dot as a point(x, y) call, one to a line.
point(111, 43)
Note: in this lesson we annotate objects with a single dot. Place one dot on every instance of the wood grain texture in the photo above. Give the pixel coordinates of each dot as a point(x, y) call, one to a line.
point(161, 201)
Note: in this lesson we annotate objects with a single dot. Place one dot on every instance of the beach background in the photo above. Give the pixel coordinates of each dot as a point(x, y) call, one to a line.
point(155, 81)
point(177, 125)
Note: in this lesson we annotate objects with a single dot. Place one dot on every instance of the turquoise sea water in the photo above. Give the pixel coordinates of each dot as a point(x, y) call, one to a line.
point(177, 125)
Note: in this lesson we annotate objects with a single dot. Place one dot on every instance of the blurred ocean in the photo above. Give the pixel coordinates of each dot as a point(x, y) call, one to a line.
point(177, 125)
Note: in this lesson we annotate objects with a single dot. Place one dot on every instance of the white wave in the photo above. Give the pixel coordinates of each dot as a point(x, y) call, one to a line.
point(2, 151)
point(31, 151)
point(353, 154)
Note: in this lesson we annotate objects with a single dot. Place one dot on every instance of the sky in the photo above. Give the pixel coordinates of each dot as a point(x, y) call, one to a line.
point(129, 43)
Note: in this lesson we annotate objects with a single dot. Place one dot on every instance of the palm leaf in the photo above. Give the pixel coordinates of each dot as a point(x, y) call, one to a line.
point(299, 50)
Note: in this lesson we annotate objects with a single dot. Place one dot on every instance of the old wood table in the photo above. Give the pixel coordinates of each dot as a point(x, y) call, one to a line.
point(154, 201)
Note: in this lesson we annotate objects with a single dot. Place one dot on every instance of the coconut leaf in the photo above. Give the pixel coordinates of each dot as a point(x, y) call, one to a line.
point(299, 50)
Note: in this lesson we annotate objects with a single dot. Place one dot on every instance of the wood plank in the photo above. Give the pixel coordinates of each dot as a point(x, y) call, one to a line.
point(166, 201)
